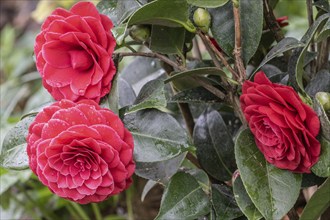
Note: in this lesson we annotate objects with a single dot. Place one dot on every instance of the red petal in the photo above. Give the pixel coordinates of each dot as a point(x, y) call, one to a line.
point(85, 9)
point(53, 128)
point(261, 78)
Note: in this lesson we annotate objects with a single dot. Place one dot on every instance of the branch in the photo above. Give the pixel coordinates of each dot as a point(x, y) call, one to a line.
point(196, 51)
point(309, 5)
point(153, 55)
point(271, 22)
point(209, 87)
point(209, 49)
point(238, 47)
point(214, 51)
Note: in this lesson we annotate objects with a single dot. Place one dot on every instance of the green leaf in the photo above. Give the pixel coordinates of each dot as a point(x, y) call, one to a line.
point(202, 178)
point(119, 33)
point(324, 33)
point(167, 40)
point(113, 97)
point(152, 95)
point(284, 45)
point(296, 62)
point(324, 120)
point(183, 198)
point(244, 202)
point(318, 203)
point(215, 147)
point(118, 10)
point(160, 171)
point(126, 93)
point(322, 4)
point(272, 190)
point(164, 13)
point(13, 152)
point(207, 3)
point(195, 95)
point(224, 204)
point(197, 71)
point(322, 167)
point(157, 136)
point(140, 71)
point(310, 179)
point(223, 30)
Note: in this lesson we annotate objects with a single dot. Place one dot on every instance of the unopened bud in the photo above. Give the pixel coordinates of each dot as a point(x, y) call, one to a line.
point(202, 19)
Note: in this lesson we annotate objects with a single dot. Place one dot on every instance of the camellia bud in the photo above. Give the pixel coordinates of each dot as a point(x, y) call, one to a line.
point(139, 33)
point(324, 99)
point(202, 19)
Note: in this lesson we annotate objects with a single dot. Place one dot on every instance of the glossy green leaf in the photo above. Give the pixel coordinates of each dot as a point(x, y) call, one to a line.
point(140, 71)
point(284, 45)
point(244, 202)
point(183, 198)
point(125, 92)
point(119, 33)
point(318, 203)
point(202, 178)
point(251, 14)
point(324, 33)
point(157, 135)
point(296, 62)
point(160, 171)
point(117, 10)
point(322, 167)
point(224, 203)
point(167, 40)
point(152, 95)
point(207, 3)
point(323, 5)
point(324, 120)
point(215, 147)
point(197, 71)
point(319, 83)
point(164, 13)
point(272, 190)
point(13, 152)
point(195, 95)
point(113, 97)
point(310, 179)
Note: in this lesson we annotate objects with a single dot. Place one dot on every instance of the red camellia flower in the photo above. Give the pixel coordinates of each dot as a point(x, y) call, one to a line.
point(74, 53)
point(81, 151)
point(283, 126)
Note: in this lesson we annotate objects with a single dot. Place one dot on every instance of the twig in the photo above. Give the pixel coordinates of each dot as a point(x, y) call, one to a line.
point(209, 49)
point(238, 48)
point(271, 22)
point(310, 20)
point(209, 87)
point(214, 50)
point(153, 55)
point(186, 113)
point(322, 58)
point(309, 5)
point(237, 108)
point(196, 51)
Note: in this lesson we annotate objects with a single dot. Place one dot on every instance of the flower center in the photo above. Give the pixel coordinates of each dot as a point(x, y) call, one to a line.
point(80, 59)
point(82, 164)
